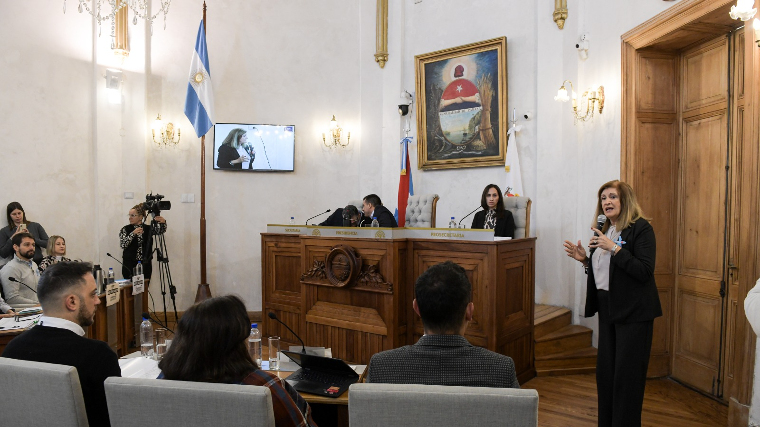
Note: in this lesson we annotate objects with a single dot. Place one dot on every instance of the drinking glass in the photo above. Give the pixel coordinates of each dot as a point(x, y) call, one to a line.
point(274, 351)
point(160, 335)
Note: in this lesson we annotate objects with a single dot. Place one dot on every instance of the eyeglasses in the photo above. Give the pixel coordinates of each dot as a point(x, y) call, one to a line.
point(133, 215)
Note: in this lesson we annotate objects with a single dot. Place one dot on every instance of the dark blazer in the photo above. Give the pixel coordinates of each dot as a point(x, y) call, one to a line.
point(334, 220)
point(227, 154)
point(443, 360)
point(384, 217)
point(633, 292)
point(505, 226)
point(94, 360)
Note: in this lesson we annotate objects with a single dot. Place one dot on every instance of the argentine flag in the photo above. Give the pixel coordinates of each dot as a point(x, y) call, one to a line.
point(199, 104)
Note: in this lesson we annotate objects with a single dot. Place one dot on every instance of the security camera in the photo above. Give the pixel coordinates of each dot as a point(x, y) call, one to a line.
point(403, 109)
point(528, 115)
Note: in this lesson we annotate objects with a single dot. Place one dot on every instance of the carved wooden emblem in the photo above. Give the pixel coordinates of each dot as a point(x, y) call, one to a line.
point(317, 271)
point(342, 265)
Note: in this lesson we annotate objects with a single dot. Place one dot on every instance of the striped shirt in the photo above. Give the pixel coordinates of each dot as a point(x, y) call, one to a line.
point(290, 408)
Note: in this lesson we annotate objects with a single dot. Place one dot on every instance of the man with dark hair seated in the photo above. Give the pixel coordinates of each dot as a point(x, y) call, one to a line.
point(69, 298)
point(343, 217)
point(19, 277)
point(372, 207)
point(443, 356)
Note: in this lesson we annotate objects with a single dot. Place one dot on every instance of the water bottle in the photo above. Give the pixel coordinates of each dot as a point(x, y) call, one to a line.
point(254, 344)
point(374, 222)
point(146, 338)
point(292, 221)
point(138, 268)
point(110, 276)
point(452, 223)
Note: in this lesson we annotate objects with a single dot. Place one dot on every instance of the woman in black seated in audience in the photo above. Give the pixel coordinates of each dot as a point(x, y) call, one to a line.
point(56, 249)
point(494, 216)
point(210, 346)
point(17, 223)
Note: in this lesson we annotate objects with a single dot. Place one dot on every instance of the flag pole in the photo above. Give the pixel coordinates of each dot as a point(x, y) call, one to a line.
point(204, 291)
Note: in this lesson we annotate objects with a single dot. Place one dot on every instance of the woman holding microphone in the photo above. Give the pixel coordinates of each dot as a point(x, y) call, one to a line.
point(620, 287)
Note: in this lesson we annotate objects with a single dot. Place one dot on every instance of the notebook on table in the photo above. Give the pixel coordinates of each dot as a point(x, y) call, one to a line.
point(323, 376)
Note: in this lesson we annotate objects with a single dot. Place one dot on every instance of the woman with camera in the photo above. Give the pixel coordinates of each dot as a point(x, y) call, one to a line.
point(17, 223)
point(136, 238)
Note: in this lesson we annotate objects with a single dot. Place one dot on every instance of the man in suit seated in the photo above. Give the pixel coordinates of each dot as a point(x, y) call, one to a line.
point(69, 299)
point(373, 207)
point(343, 217)
point(443, 356)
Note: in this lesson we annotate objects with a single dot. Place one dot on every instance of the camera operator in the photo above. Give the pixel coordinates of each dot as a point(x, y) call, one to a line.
point(136, 239)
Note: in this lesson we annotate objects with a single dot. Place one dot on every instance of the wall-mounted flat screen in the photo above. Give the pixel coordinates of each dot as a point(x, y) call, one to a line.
point(254, 148)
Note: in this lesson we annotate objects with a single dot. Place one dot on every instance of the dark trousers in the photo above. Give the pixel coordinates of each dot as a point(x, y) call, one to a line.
point(621, 367)
point(129, 267)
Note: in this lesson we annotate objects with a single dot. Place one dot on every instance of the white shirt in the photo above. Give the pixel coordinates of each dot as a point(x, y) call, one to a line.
point(57, 322)
point(601, 262)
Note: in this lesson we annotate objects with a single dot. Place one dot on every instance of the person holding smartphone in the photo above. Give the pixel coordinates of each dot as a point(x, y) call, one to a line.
point(18, 223)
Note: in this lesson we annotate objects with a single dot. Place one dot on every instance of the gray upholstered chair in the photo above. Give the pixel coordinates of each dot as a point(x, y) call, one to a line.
point(40, 394)
point(520, 208)
point(134, 402)
point(420, 210)
point(375, 405)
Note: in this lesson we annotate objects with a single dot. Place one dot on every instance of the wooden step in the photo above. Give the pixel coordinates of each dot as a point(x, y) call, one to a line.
point(573, 359)
point(548, 318)
point(570, 337)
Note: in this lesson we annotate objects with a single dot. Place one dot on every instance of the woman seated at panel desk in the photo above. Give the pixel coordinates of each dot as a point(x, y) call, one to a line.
point(494, 216)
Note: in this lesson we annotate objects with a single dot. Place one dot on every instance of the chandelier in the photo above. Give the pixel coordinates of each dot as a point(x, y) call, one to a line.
point(140, 8)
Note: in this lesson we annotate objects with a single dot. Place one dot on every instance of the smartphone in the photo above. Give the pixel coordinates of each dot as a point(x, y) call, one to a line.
point(22, 228)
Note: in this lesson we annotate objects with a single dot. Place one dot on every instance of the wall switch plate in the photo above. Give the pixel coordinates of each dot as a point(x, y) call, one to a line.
point(129, 195)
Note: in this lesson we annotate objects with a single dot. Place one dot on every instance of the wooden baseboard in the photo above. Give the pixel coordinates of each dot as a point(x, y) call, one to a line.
point(738, 414)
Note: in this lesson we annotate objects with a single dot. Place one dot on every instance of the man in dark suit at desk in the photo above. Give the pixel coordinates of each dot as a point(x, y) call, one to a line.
point(69, 299)
point(373, 207)
point(343, 217)
point(443, 356)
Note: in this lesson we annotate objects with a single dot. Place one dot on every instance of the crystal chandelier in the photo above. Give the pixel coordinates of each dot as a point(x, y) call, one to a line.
point(140, 8)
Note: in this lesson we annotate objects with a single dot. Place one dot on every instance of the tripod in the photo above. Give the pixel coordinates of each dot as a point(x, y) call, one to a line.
point(164, 273)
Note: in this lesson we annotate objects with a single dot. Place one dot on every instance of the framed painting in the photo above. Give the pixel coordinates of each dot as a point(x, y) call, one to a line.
point(462, 106)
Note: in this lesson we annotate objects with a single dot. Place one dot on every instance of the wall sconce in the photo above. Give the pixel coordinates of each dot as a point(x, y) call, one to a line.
point(560, 13)
point(165, 133)
point(592, 99)
point(743, 10)
point(334, 132)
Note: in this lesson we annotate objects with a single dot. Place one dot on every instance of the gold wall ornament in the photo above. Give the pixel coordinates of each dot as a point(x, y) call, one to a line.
point(120, 41)
point(381, 44)
point(591, 100)
point(166, 133)
point(333, 134)
point(560, 13)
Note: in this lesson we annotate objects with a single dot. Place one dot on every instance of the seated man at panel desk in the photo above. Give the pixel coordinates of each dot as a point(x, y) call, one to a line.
point(19, 277)
point(443, 356)
point(372, 206)
point(343, 217)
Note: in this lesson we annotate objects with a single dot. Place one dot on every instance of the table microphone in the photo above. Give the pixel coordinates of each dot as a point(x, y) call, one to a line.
point(13, 279)
point(274, 317)
point(307, 223)
point(473, 211)
point(109, 254)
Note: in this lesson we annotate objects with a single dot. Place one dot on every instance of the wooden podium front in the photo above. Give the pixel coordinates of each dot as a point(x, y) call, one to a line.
point(352, 289)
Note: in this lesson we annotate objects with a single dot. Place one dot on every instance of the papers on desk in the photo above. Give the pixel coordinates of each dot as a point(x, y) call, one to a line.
point(139, 367)
point(501, 239)
point(9, 323)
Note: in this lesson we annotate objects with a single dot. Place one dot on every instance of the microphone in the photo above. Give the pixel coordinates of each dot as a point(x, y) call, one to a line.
point(274, 317)
point(109, 254)
point(600, 220)
point(473, 211)
point(13, 279)
point(307, 221)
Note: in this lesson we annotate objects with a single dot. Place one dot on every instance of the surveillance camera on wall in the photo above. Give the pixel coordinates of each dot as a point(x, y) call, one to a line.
point(406, 101)
point(403, 109)
point(528, 115)
point(582, 46)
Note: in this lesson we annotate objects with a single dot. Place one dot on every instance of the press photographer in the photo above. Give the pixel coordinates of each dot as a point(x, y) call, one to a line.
point(136, 238)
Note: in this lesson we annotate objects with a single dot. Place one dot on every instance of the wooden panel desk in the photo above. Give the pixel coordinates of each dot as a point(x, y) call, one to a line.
point(309, 281)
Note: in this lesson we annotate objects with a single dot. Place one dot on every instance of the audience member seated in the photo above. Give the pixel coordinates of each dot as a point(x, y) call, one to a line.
point(20, 276)
point(5, 309)
point(343, 217)
point(210, 346)
point(372, 207)
point(69, 299)
point(56, 249)
point(494, 216)
point(17, 223)
point(443, 356)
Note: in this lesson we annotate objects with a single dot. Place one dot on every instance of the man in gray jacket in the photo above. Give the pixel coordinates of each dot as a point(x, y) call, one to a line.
point(19, 277)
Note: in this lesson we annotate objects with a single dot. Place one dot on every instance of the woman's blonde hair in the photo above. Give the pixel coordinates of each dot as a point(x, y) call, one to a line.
point(630, 210)
point(140, 209)
point(51, 244)
point(233, 138)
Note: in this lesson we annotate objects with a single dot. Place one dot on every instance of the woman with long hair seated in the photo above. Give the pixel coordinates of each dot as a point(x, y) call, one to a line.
point(56, 249)
point(210, 346)
point(494, 215)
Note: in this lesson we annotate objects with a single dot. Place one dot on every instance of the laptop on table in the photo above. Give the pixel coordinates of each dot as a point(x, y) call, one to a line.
point(323, 376)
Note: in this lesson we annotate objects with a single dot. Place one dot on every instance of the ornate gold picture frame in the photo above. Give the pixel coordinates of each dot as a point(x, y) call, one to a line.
point(462, 106)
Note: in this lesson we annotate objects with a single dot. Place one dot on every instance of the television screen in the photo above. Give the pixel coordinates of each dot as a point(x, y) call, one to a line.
point(250, 147)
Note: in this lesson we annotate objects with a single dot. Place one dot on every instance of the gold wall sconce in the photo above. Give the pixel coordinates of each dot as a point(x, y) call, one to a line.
point(166, 133)
point(592, 99)
point(743, 10)
point(333, 133)
point(560, 13)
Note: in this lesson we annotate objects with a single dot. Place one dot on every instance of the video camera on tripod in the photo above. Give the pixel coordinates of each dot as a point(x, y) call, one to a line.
point(155, 204)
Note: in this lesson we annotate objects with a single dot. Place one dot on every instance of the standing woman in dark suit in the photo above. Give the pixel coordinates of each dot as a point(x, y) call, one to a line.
point(621, 288)
point(494, 216)
point(136, 238)
point(229, 156)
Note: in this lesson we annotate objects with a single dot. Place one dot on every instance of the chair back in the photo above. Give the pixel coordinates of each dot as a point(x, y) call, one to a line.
point(40, 394)
point(420, 210)
point(136, 402)
point(520, 208)
point(402, 405)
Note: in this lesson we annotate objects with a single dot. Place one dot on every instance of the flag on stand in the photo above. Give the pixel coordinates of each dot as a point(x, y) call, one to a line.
point(514, 185)
point(405, 184)
point(199, 103)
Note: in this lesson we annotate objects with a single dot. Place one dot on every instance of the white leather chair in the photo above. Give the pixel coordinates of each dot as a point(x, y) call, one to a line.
point(520, 208)
point(40, 394)
point(136, 402)
point(412, 405)
point(420, 210)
